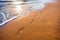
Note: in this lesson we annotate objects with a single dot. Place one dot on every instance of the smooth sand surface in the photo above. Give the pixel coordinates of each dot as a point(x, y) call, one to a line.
point(38, 25)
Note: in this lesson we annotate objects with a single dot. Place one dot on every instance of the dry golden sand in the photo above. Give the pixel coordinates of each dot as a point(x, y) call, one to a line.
point(38, 25)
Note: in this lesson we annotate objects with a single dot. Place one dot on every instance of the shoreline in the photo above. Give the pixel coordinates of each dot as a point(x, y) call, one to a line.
point(37, 25)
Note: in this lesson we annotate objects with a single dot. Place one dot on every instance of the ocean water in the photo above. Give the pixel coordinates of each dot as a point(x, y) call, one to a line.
point(10, 10)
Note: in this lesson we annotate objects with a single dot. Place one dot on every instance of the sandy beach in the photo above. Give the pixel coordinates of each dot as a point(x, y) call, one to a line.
point(38, 25)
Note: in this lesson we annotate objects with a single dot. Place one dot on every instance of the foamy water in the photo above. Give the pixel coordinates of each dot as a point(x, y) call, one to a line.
point(10, 11)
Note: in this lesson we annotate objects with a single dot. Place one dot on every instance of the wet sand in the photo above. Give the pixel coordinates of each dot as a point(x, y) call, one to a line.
point(38, 25)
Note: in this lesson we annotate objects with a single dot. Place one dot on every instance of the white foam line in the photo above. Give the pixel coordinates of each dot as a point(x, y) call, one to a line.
point(9, 20)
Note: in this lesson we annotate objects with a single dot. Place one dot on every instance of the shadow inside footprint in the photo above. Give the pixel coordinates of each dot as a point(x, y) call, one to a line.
point(20, 30)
